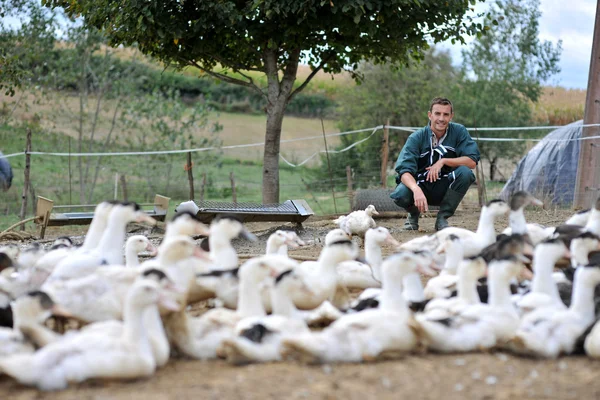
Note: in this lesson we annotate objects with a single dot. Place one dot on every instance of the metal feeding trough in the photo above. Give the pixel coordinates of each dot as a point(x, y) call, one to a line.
point(289, 211)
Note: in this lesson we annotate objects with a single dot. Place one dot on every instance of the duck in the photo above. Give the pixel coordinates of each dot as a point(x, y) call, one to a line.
point(280, 240)
point(323, 277)
point(568, 231)
point(108, 251)
point(544, 291)
point(29, 333)
point(412, 291)
point(258, 339)
point(30, 255)
point(152, 319)
point(581, 248)
point(223, 229)
point(580, 218)
point(388, 330)
point(549, 331)
point(477, 326)
point(473, 242)
point(185, 223)
point(135, 245)
point(200, 337)
point(98, 225)
point(469, 272)
point(443, 284)
point(101, 295)
point(358, 222)
point(83, 355)
point(357, 274)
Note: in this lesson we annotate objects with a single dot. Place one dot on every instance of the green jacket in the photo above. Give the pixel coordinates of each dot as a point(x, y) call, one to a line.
point(418, 154)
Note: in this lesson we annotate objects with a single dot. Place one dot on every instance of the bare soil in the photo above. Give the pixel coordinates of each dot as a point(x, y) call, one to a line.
point(419, 376)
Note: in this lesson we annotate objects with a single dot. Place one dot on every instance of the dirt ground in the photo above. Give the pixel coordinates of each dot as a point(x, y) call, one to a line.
point(419, 376)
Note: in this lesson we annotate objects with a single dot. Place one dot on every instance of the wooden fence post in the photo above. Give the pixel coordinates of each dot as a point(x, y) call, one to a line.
point(349, 179)
point(385, 151)
point(233, 193)
point(26, 183)
point(124, 187)
point(190, 174)
point(202, 186)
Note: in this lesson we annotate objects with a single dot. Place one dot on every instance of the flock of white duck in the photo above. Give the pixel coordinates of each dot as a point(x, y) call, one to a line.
point(135, 315)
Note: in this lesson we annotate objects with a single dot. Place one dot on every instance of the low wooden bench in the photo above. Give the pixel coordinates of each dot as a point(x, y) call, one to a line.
point(45, 217)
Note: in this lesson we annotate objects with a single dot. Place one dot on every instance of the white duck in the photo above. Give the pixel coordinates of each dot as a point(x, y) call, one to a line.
point(367, 335)
point(478, 326)
point(279, 242)
point(258, 339)
point(152, 320)
point(101, 295)
point(28, 332)
point(544, 291)
point(579, 218)
point(356, 274)
point(358, 222)
point(469, 272)
point(134, 245)
point(223, 229)
point(30, 255)
point(445, 283)
point(109, 250)
point(83, 355)
point(200, 337)
point(549, 332)
point(473, 242)
point(97, 226)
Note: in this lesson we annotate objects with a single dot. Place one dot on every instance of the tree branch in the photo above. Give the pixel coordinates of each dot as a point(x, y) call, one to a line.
point(310, 76)
point(228, 79)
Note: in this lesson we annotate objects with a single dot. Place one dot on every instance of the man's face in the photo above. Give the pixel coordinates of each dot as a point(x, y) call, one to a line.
point(440, 116)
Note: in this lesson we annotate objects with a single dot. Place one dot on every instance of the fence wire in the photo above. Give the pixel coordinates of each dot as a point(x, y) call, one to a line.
point(235, 174)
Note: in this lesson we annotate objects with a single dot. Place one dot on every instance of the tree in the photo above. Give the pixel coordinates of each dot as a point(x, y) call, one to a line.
point(504, 71)
point(272, 37)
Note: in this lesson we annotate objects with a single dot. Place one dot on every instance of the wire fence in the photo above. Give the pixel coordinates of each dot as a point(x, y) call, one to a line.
point(328, 178)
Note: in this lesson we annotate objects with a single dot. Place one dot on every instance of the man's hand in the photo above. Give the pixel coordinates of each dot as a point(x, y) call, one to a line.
point(420, 200)
point(434, 171)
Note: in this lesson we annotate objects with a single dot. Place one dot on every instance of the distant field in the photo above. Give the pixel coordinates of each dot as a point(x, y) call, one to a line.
point(59, 114)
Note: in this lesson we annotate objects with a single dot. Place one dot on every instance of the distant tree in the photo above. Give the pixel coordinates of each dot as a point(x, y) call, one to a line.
point(26, 43)
point(273, 37)
point(503, 74)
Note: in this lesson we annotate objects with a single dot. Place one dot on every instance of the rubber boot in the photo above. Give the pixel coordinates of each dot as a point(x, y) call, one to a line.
point(448, 205)
point(412, 222)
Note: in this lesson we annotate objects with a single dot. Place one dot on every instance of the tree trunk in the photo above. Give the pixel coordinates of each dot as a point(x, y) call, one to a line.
point(493, 166)
point(278, 95)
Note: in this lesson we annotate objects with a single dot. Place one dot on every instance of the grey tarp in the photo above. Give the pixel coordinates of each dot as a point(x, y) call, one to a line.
point(549, 169)
point(6, 174)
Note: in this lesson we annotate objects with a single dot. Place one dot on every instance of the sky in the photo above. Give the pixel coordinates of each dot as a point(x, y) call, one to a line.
point(571, 21)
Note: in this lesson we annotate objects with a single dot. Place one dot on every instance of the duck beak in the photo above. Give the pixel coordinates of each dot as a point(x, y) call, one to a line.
point(526, 274)
point(536, 202)
point(60, 311)
point(391, 241)
point(151, 249)
point(168, 303)
point(246, 234)
point(142, 217)
point(426, 270)
point(201, 254)
point(174, 288)
point(202, 229)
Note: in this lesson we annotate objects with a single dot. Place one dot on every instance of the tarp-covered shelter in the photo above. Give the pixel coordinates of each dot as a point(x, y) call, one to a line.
point(549, 169)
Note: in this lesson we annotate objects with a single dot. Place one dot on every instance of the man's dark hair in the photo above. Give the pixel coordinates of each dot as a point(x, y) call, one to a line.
point(441, 101)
